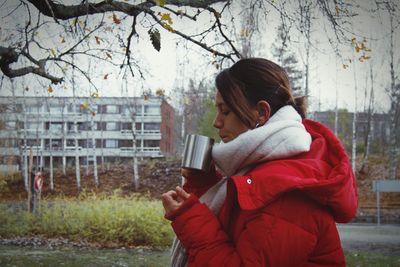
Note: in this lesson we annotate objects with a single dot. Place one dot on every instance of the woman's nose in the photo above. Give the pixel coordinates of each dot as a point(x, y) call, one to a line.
point(217, 122)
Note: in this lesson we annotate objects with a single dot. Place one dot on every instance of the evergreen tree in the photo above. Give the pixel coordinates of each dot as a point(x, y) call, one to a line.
point(287, 58)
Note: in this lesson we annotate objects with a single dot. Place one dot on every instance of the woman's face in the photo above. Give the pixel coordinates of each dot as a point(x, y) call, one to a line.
point(228, 124)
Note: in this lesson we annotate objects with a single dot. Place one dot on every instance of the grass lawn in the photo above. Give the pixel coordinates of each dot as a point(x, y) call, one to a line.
point(365, 259)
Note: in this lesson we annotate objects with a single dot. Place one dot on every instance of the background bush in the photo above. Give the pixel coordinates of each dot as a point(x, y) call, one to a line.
point(108, 220)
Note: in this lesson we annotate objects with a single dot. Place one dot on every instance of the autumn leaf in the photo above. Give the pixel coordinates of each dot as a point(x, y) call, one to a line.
point(109, 55)
point(244, 33)
point(98, 39)
point(168, 27)
point(62, 40)
point(155, 39)
point(84, 105)
point(93, 113)
point(116, 20)
point(105, 77)
point(337, 10)
point(53, 52)
point(160, 92)
point(161, 2)
point(50, 89)
point(166, 17)
point(345, 66)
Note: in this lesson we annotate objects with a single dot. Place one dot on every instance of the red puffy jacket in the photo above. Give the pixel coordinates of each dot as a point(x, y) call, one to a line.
point(281, 213)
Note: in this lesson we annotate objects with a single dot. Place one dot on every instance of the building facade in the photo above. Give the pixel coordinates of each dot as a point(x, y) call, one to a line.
point(65, 130)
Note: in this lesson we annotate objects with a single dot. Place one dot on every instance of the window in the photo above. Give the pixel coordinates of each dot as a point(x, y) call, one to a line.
point(152, 109)
point(55, 109)
point(128, 110)
point(112, 109)
point(125, 143)
point(152, 143)
point(32, 142)
point(83, 126)
point(86, 143)
point(70, 127)
point(18, 108)
point(33, 109)
point(8, 142)
point(11, 125)
point(126, 126)
point(101, 109)
point(56, 144)
point(33, 125)
point(152, 126)
point(73, 108)
point(112, 126)
point(111, 143)
point(71, 142)
point(55, 127)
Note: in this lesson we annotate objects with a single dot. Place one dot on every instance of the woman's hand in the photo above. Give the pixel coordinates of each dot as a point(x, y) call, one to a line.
point(172, 200)
point(197, 174)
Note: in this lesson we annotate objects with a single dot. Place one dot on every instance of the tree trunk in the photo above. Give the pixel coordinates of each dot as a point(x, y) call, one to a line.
point(94, 156)
point(354, 135)
point(393, 107)
point(370, 124)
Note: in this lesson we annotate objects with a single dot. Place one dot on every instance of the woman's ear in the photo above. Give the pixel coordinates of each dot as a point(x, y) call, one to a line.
point(264, 112)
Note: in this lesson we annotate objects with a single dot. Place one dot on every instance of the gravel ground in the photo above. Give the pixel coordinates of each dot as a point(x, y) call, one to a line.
point(382, 239)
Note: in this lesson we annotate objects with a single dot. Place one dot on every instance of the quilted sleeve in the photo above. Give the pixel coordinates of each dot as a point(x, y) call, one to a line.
point(265, 241)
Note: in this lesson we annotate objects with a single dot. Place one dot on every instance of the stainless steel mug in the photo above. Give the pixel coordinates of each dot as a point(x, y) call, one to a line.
point(197, 152)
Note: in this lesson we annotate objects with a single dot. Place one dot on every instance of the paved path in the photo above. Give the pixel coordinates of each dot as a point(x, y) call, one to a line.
point(383, 239)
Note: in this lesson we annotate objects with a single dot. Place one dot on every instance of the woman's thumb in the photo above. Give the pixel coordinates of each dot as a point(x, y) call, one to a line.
point(182, 193)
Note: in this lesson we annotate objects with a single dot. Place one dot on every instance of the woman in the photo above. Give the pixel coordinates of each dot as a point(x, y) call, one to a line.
point(281, 181)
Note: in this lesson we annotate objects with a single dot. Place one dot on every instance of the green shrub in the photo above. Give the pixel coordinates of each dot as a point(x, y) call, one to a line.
point(108, 220)
point(7, 179)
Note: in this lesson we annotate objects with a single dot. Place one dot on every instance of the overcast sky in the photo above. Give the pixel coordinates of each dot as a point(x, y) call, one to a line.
point(178, 61)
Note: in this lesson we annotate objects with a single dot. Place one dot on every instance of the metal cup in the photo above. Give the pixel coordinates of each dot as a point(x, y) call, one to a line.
point(197, 152)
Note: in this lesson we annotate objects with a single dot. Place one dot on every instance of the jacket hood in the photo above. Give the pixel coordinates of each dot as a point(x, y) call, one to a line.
point(323, 173)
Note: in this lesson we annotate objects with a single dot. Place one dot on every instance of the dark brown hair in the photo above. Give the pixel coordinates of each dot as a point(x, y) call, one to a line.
point(251, 80)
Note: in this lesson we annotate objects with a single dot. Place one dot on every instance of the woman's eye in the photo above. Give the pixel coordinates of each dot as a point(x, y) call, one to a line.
point(225, 112)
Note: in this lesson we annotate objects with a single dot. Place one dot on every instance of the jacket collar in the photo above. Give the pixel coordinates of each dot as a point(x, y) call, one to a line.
point(324, 174)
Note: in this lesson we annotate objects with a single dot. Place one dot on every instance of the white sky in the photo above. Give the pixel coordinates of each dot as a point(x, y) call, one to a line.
point(178, 61)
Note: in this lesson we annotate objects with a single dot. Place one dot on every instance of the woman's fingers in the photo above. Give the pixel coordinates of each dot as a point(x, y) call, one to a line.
point(172, 200)
point(182, 193)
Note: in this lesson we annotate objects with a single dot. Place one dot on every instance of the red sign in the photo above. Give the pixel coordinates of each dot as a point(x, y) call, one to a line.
point(38, 183)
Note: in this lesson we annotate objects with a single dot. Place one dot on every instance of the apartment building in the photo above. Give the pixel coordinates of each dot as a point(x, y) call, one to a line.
point(66, 130)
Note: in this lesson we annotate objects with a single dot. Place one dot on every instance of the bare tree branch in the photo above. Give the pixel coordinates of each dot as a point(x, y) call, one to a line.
point(59, 11)
point(9, 56)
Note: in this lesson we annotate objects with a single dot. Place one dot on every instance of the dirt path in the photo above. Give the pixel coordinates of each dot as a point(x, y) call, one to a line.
point(383, 239)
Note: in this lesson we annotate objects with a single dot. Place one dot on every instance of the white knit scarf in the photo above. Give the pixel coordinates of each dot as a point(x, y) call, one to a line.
point(282, 136)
